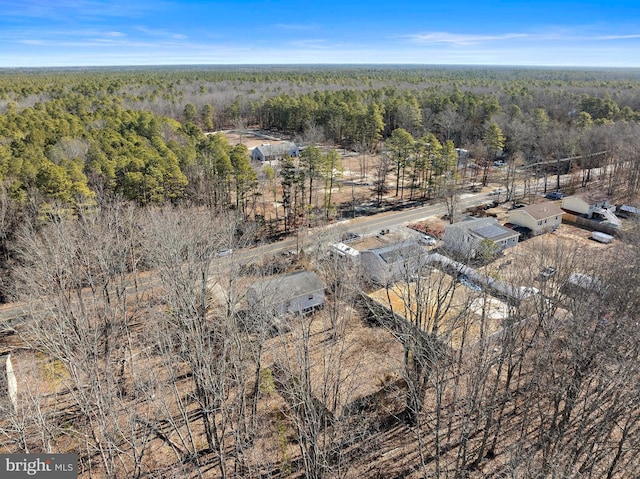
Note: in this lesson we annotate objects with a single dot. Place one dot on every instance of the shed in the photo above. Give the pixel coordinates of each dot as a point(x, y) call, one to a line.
point(277, 151)
point(627, 211)
point(295, 293)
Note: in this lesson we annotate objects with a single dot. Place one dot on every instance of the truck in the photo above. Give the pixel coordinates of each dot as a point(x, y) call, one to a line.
point(601, 237)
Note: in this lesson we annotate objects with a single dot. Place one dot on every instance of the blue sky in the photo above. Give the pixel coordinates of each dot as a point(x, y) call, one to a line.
point(143, 32)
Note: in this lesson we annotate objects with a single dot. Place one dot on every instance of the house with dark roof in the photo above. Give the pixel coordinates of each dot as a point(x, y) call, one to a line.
point(539, 218)
point(389, 263)
point(269, 152)
point(466, 237)
point(294, 293)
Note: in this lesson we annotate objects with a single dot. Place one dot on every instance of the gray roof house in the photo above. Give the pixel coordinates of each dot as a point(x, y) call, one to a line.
point(269, 152)
point(466, 236)
point(294, 293)
point(390, 263)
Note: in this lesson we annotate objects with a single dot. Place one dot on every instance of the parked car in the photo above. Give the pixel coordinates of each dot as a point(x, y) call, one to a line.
point(428, 240)
point(499, 163)
point(224, 252)
point(525, 233)
point(526, 291)
point(515, 206)
point(351, 236)
point(554, 195)
point(547, 272)
point(497, 191)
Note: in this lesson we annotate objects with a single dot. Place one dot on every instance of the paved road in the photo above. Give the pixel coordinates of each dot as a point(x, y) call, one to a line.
point(11, 313)
point(363, 225)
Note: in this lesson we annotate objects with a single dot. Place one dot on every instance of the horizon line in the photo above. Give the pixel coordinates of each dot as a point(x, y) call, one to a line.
point(341, 64)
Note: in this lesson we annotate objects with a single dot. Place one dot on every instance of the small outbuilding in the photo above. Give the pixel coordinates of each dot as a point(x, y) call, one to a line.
point(295, 293)
point(277, 151)
point(539, 218)
point(628, 211)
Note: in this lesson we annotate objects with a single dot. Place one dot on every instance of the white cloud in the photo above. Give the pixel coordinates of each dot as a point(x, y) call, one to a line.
point(32, 42)
point(463, 39)
point(311, 43)
point(553, 34)
point(617, 37)
point(65, 9)
point(294, 26)
point(160, 33)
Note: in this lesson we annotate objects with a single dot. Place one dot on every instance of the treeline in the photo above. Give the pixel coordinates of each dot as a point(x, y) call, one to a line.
point(72, 138)
point(69, 134)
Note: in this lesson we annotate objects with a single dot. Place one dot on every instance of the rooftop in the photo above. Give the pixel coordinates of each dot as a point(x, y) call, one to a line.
point(269, 149)
point(398, 251)
point(486, 228)
point(592, 196)
point(289, 286)
point(541, 211)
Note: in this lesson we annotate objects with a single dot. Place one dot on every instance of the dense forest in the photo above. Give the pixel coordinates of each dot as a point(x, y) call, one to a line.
point(112, 176)
point(69, 136)
point(73, 137)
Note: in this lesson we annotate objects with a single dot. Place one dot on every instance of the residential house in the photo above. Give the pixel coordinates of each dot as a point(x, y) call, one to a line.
point(539, 218)
point(591, 204)
point(294, 293)
point(389, 263)
point(269, 152)
point(466, 237)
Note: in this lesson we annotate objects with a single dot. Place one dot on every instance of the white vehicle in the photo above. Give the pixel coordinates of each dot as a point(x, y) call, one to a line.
point(428, 240)
point(601, 237)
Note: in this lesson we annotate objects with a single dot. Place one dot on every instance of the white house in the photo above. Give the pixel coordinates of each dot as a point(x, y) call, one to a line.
point(591, 204)
point(539, 218)
point(390, 263)
point(295, 293)
point(466, 236)
point(269, 152)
